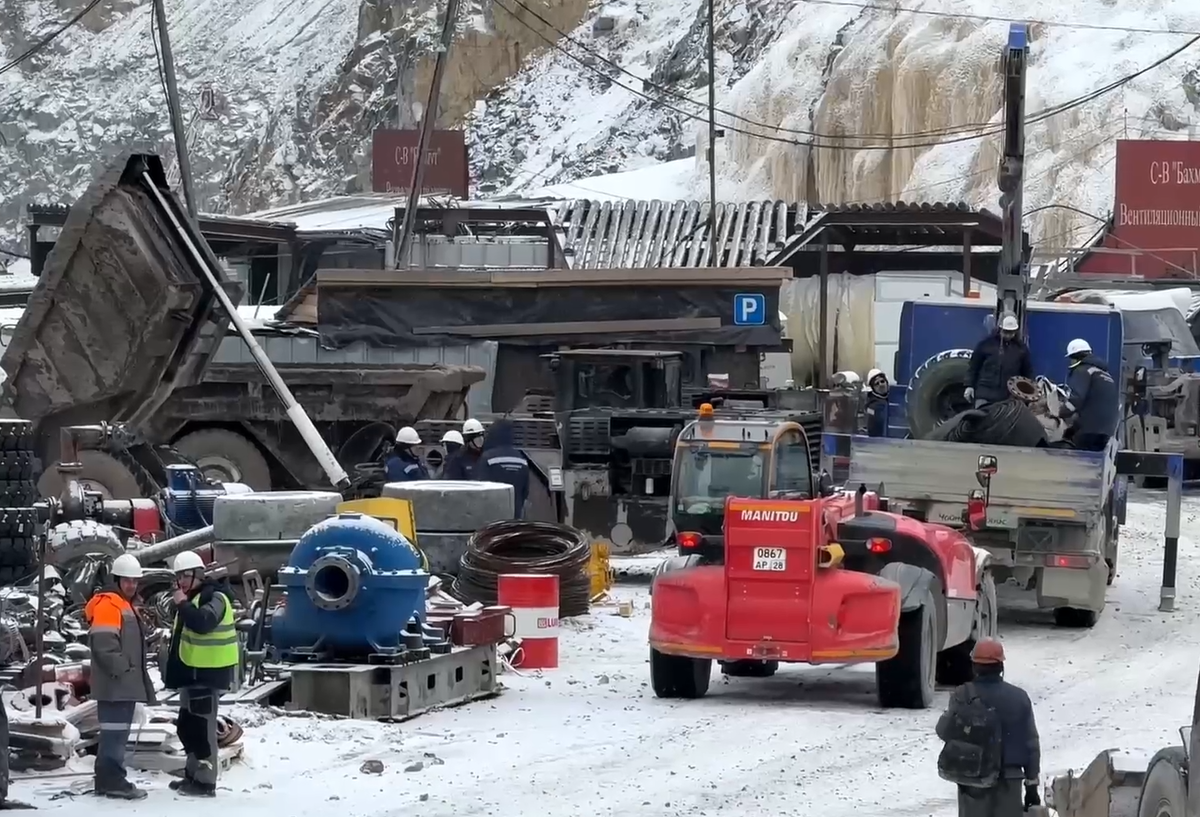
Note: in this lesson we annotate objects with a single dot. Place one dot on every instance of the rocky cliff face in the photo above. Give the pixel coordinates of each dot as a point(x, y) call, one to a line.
point(282, 96)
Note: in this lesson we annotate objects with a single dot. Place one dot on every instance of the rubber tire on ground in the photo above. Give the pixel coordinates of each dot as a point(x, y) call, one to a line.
point(1164, 791)
point(907, 680)
point(274, 517)
point(929, 382)
point(676, 676)
point(99, 468)
point(249, 466)
point(954, 665)
point(749, 669)
point(450, 506)
point(1075, 618)
point(73, 540)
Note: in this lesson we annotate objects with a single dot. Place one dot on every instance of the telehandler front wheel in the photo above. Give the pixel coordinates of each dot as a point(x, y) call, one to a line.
point(907, 681)
point(1164, 794)
point(676, 676)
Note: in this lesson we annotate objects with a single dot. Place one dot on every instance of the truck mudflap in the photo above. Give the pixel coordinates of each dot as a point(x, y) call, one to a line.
point(1104, 790)
point(122, 315)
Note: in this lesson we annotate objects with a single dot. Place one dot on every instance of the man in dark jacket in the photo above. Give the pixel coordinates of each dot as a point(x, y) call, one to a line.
point(875, 406)
point(502, 462)
point(402, 463)
point(1092, 399)
point(998, 357)
point(119, 678)
point(462, 463)
point(1020, 748)
point(201, 662)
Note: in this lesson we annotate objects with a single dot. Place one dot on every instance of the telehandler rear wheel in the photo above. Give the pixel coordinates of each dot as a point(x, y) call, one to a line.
point(676, 676)
point(907, 681)
point(1164, 794)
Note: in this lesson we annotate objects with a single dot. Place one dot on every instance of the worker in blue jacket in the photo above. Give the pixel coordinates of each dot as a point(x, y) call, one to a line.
point(503, 462)
point(875, 403)
point(1092, 405)
point(403, 464)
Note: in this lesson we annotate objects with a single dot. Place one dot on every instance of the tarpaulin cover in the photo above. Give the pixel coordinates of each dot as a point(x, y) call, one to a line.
point(387, 316)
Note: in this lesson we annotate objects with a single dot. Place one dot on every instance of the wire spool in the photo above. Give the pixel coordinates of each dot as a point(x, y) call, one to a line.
point(515, 546)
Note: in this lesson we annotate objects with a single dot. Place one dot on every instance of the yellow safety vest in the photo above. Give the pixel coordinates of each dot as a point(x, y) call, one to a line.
point(215, 650)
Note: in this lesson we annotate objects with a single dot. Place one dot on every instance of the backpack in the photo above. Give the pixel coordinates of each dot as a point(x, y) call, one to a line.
point(972, 755)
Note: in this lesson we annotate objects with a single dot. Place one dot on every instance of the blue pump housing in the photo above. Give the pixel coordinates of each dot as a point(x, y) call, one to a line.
point(353, 584)
point(188, 499)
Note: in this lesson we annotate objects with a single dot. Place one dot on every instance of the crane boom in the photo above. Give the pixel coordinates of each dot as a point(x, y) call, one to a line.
point(1012, 276)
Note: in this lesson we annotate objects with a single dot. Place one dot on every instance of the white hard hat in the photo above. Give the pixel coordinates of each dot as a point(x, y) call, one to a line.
point(472, 426)
point(1079, 346)
point(1009, 322)
point(452, 436)
point(188, 560)
point(874, 373)
point(126, 566)
point(408, 436)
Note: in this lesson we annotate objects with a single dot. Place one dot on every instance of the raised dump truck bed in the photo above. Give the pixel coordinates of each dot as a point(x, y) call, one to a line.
point(1050, 524)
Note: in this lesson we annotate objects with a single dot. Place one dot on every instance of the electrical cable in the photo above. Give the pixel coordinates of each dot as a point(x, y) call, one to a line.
point(516, 546)
point(983, 129)
point(49, 38)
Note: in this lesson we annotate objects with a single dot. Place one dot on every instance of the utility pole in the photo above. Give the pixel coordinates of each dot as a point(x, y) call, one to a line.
point(403, 235)
point(712, 135)
point(176, 110)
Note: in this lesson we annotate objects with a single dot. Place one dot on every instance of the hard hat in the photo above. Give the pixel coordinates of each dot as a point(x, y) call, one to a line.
point(988, 651)
point(126, 566)
point(874, 373)
point(1009, 323)
point(472, 426)
point(1079, 346)
point(408, 436)
point(452, 436)
point(188, 560)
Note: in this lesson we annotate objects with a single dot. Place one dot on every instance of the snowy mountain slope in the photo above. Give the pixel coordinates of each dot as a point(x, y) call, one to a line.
point(842, 69)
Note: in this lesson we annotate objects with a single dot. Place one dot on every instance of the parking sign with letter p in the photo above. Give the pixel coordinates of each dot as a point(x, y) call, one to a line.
point(749, 309)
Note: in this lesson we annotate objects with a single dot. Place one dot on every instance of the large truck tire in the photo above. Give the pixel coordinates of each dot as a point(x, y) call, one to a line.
point(19, 472)
point(114, 476)
point(907, 680)
point(449, 506)
point(226, 456)
point(677, 676)
point(935, 392)
point(1075, 618)
point(271, 517)
point(1164, 792)
point(74, 540)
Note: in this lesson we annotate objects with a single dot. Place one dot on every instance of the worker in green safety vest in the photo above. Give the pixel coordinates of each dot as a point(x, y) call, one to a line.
point(200, 664)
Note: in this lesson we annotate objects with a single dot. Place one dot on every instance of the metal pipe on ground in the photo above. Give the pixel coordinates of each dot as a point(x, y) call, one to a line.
point(168, 548)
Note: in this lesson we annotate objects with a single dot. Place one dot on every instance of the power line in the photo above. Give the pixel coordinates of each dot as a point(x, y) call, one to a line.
point(49, 38)
point(982, 130)
point(984, 18)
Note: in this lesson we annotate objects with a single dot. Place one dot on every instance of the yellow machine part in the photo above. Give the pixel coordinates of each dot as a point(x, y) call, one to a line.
point(395, 512)
point(599, 569)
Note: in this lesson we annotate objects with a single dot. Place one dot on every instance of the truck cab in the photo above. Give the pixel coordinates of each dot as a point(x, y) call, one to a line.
point(744, 456)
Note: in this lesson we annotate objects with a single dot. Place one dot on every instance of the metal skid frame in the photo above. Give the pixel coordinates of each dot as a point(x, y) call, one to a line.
point(1170, 467)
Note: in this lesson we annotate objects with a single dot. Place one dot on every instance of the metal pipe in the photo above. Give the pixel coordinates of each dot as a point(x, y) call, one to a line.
point(295, 412)
point(1166, 594)
point(39, 642)
point(176, 111)
point(161, 551)
point(712, 136)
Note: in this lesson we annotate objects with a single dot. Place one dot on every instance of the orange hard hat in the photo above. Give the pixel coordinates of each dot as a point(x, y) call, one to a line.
point(988, 651)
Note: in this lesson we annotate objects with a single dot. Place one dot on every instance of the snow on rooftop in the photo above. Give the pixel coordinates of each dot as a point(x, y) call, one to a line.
point(364, 212)
point(16, 273)
point(667, 181)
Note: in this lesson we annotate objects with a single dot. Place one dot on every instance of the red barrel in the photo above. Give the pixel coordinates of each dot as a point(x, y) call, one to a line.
point(534, 602)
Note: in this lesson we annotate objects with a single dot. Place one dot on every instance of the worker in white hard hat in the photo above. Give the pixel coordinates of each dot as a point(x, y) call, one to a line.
point(997, 358)
point(201, 664)
point(463, 464)
point(119, 679)
point(403, 463)
point(1092, 401)
point(875, 403)
point(452, 441)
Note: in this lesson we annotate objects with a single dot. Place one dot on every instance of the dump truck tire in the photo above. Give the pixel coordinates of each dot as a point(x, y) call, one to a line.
point(676, 676)
point(1075, 618)
point(1164, 793)
point(449, 506)
point(103, 472)
point(74, 540)
point(226, 456)
point(17, 436)
point(907, 680)
point(749, 669)
point(271, 517)
point(935, 391)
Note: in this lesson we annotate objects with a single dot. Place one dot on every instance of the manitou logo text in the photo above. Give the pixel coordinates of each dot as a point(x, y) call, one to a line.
point(770, 516)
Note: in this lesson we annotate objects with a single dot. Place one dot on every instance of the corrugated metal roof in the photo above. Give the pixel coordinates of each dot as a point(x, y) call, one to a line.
point(661, 234)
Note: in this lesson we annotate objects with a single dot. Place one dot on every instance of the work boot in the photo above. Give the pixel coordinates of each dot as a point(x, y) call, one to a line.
point(194, 788)
point(120, 790)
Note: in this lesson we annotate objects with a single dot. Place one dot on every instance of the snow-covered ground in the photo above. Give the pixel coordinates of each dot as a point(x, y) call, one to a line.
point(591, 738)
